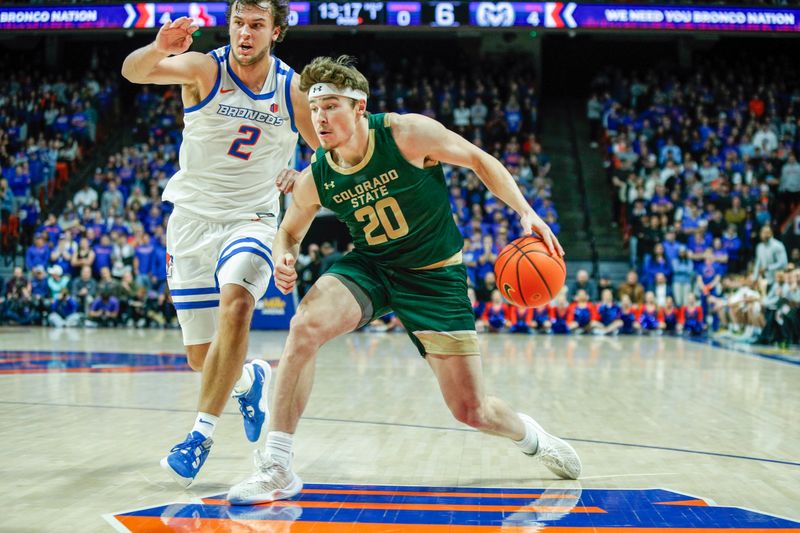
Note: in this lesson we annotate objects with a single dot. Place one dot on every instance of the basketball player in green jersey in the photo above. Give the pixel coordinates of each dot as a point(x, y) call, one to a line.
point(381, 175)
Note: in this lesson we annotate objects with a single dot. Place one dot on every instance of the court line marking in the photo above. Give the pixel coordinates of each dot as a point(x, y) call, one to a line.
point(792, 358)
point(419, 426)
point(199, 500)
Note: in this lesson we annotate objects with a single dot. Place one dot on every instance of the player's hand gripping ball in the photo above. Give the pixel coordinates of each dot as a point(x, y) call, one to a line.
point(527, 274)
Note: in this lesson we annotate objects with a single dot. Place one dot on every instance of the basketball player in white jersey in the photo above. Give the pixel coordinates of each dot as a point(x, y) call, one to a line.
point(242, 113)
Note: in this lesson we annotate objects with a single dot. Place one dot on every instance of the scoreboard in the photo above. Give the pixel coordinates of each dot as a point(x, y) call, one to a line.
point(430, 14)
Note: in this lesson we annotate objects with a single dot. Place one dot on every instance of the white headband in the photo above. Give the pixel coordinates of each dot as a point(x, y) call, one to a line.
point(326, 89)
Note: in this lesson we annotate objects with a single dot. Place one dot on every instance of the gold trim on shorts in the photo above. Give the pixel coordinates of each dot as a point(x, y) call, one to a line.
point(455, 259)
point(449, 342)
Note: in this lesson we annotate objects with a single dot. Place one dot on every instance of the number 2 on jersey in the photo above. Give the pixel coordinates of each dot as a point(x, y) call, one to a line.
point(253, 134)
point(377, 216)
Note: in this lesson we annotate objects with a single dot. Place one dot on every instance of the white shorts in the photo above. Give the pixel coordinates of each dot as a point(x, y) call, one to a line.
point(203, 256)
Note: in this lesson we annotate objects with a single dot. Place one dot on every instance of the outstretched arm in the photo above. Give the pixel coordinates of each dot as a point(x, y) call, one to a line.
point(153, 64)
point(422, 139)
point(295, 224)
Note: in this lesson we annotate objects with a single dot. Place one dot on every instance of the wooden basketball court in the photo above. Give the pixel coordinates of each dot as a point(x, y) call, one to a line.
point(87, 414)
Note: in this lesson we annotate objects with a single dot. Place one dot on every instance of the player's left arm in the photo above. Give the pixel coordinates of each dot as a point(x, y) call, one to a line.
point(293, 228)
point(423, 140)
point(302, 114)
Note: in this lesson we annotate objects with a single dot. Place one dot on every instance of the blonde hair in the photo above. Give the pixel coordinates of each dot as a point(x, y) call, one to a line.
point(339, 72)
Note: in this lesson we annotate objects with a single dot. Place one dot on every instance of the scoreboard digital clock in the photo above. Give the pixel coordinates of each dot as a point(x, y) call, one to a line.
point(350, 13)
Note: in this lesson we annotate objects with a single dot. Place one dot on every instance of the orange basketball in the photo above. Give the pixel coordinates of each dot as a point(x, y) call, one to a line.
point(527, 274)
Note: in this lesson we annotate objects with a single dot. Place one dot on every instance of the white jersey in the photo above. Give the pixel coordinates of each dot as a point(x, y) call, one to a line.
point(234, 145)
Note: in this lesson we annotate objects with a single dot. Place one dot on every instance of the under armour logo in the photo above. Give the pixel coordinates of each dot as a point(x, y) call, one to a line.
point(317, 89)
point(329, 185)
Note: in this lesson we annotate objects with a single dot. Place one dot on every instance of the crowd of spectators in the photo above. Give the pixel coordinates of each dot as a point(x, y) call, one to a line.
point(47, 121)
point(101, 260)
point(707, 186)
point(700, 190)
point(747, 310)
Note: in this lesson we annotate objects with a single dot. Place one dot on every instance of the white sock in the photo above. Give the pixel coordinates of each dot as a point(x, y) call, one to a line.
point(279, 447)
point(530, 442)
point(205, 424)
point(245, 381)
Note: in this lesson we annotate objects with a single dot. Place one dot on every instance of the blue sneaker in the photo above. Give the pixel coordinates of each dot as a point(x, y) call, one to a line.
point(253, 403)
point(186, 459)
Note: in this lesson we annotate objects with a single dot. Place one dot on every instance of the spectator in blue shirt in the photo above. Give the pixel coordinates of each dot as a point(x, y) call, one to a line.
point(720, 256)
point(63, 252)
point(513, 116)
point(159, 273)
point(658, 264)
point(486, 257)
point(551, 221)
point(20, 181)
point(144, 256)
point(152, 219)
point(51, 229)
point(682, 276)
point(671, 246)
point(733, 245)
point(38, 254)
point(470, 258)
point(64, 311)
point(36, 170)
point(104, 311)
point(102, 254)
point(670, 151)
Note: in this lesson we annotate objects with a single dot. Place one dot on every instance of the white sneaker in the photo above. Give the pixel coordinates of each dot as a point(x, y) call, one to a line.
point(270, 482)
point(554, 453)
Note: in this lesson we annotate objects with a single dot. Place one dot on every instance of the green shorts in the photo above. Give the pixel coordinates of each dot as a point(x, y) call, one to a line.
point(432, 304)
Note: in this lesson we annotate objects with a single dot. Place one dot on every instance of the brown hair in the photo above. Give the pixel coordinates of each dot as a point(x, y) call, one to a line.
point(278, 8)
point(339, 72)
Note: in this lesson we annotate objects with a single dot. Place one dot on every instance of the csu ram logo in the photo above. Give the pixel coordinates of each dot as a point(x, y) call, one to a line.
point(494, 14)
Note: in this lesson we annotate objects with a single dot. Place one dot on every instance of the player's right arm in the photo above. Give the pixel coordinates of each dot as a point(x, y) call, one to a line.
point(163, 62)
point(423, 140)
point(293, 228)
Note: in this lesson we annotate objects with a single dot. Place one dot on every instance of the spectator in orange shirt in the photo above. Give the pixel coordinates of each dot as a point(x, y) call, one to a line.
point(521, 319)
point(670, 317)
point(562, 320)
point(584, 312)
point(495, 316)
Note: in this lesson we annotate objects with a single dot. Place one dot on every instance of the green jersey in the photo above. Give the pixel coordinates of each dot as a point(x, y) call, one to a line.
point(397, 214)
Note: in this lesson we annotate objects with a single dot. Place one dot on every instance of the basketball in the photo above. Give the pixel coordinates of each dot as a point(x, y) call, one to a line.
point(527, 274)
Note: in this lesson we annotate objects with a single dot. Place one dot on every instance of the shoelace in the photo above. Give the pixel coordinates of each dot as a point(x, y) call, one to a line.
point(548, 450)
point(187, 445)
point(243, 409)
point(262, 460)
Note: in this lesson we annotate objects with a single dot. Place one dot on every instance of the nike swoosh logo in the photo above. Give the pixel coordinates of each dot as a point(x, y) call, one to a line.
point(507, 289)
point(206, 422)
point(223, 91)
point(245, 280)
